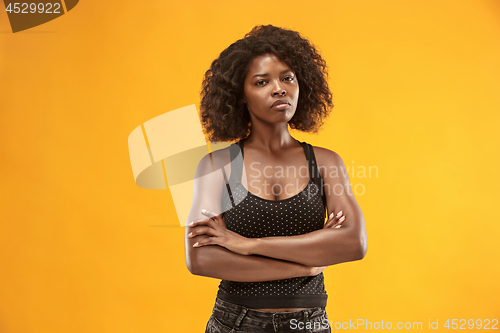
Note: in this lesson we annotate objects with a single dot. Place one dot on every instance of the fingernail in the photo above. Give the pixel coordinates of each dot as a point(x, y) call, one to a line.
point(195, 244)
point(191, 224)
point(339, 213)
point(190, 234)
point(331, 216)
point(338, 226)
point(342, 218)
point(204, 211)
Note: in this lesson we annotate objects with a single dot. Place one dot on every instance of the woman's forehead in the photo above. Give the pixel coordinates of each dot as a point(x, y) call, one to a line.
point(267, 62)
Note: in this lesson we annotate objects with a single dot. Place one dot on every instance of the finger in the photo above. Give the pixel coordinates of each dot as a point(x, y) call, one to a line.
point(216, 217)
point(335, 223)
point(207, 241)
point(202, 231)
point(339, 223)
point(210, 222)
point(334, 216)
point(199, 222)
point(329, 223)
point(209, 213)
point(333, 219)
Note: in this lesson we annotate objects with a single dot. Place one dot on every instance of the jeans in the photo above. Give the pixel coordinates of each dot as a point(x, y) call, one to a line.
point(230, 318)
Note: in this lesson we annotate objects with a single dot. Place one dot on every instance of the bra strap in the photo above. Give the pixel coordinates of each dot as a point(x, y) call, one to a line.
point(240, 144)
point(236, 169)
point(237, 161)
point(228, 187)
point(314, 172)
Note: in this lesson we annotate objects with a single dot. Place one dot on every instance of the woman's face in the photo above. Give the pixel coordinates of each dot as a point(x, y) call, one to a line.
point(271, 90)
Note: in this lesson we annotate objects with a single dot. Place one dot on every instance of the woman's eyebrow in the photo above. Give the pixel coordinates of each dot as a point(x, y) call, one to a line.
point(282, 72)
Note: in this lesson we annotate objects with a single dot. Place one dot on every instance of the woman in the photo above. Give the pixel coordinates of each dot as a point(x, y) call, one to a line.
point(262, 230)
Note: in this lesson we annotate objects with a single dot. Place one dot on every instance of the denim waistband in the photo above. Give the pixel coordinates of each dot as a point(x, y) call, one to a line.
point(237, 317)
point(226, 309)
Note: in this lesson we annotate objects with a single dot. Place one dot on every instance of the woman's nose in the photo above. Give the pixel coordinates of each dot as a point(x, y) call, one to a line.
point(279, 90)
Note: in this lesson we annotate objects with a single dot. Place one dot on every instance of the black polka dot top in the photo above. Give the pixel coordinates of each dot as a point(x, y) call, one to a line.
point(255, 217)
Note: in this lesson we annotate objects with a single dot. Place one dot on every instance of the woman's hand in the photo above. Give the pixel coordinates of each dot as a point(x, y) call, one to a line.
point(335, 221)
point(316, 270)
point(214, 226)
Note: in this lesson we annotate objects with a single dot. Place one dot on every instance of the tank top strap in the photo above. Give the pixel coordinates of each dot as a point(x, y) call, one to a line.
point(307, 150)
point(236, 157)
point(236, 153)
point(314, 171)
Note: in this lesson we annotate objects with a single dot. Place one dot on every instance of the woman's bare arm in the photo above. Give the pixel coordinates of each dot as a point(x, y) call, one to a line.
point(218, 262)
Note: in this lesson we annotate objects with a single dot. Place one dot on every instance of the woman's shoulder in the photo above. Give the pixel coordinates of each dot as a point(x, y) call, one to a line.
point(215, 160)
point(327, 158)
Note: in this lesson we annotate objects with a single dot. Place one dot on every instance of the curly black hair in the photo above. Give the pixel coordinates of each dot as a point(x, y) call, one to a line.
point(225, 117)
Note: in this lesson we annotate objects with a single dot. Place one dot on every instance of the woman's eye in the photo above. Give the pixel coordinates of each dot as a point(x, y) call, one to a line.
point(260, 83)
point(288, 78)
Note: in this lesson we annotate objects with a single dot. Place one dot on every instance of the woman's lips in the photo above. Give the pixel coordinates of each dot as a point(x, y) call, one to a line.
point(280, 104)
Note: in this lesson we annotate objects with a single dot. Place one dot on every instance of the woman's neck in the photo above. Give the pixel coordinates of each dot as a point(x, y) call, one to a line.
point(270, 138)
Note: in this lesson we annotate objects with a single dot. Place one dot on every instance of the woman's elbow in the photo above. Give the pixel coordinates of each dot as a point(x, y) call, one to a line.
point(356, 248)
point(194, 256)
point(196, 268)
point(192, 267)
point(198, 261)
point(361, 248)
point(193, 261)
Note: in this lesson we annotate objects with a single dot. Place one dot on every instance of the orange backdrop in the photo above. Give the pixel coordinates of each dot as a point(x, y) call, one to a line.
point(416, 93)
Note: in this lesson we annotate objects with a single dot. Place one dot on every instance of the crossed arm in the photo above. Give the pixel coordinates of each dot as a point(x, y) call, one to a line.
point(284, 257)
